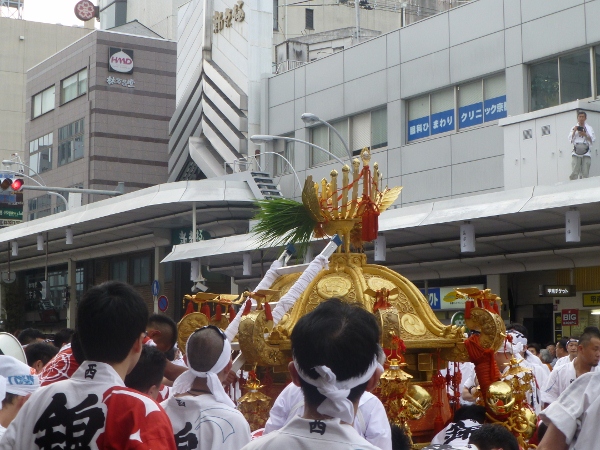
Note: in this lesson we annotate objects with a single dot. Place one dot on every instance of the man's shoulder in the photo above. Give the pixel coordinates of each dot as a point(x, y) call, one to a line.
point(205, 404)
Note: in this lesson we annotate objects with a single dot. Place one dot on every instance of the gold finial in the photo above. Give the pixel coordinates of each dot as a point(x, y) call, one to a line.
point(365, 155)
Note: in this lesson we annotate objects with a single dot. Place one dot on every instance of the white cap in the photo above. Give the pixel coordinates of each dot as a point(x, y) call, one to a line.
point(16, 378)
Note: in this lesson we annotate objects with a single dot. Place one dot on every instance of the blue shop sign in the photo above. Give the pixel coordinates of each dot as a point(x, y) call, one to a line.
point(433, 297)
point(442, 122)
point(470, 115)
point(418, 128)
point(494, 108)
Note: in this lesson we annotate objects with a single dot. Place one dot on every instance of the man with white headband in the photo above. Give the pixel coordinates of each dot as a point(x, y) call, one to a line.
point(335, 353)
point(202, 414)
point(17, 383)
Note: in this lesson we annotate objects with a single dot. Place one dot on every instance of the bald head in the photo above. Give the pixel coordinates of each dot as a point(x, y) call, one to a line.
point(204, 349)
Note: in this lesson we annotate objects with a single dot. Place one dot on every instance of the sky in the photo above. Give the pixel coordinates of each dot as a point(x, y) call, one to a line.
point(52, 11)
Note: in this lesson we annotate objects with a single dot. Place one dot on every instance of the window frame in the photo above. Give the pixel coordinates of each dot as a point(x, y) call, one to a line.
point(72, 139)
point(77, 83)
point(37, 152)
point(309, 12)
point(40, 94)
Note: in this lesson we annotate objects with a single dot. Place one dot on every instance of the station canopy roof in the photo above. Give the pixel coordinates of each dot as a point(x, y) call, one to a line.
point(516, 230)
point(135, 221)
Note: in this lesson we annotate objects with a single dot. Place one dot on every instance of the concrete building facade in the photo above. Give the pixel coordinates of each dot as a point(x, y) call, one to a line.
point(23, 45)
point(110, 97)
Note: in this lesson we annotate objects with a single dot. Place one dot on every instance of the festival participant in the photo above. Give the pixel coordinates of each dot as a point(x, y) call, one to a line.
point(64, 364)
point(39, 354)
point(94, 409)
point(335, 352)
point(562, 353)
point(63, 337)
point(493, 437)
point(371, 419)
point(147, 375)
point(30, 335)
point(466, 420)
point(161, 332)
point(202, 414)
point(551, 347)
point(586, 361)
point(17, 383)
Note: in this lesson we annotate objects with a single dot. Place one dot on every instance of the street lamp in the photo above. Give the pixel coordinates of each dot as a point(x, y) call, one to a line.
point(264, 138)
point(10, 162)
point(312, 119)
point(287, 161)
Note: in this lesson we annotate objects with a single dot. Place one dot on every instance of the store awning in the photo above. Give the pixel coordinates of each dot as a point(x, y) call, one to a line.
point(517, 230)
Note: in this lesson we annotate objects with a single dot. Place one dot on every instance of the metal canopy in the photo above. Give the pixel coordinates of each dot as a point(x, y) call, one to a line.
point(517, 230)
point(134, 221)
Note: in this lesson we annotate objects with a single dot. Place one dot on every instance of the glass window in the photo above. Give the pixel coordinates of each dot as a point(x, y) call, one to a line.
point(575, 76)
point(70, 142)
point(442, 111)
point(379, 128)
point(418, 118)
point(141, 270)
point(544, 84)
point(309, 19)
point(39, 207)
point(275, 15)
point(470, 104)
point(40, 154)
point(320, 137)
point(285, 149)
point(119, 270)
point(43, 102)
point(74, 86)
point(335, 144)
point(361, 132)
point(494, 98)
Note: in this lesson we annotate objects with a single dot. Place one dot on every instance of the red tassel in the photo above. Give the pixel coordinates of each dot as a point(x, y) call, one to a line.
point(247, 307)
point(370, 223)
point(468, 305)
point(231, 313)
point(205, 310)
point(189, 309)
point(486, 304)
point(496, 309)
point(218, 313)
point(268, 314)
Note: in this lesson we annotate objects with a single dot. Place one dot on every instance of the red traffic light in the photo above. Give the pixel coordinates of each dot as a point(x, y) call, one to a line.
point(17, 184)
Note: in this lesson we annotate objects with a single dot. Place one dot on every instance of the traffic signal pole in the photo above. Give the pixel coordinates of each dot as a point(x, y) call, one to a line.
point(119, 191)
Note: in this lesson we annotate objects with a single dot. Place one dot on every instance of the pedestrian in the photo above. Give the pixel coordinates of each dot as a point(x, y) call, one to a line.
point(93, 409)
point(493, 437)
point(581, 137)
point(335, 349)
point(203, 416)
point(39, 354)
point(147, 375)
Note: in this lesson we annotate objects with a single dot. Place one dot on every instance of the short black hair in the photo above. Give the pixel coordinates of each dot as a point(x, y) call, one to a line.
point(562, 343)
point(77, 349)
point(29, 335)
point(490, 436)
point(586, 338)
point(535, 345)
point(164, 324)
point(591, 330)
point(149, 370)
point(204, 348)
point(339, 335)
point(110, 318)
point(470, 412)
point(400, 440)
point(520, 328)
point(582, 112)
point(63, 337)
point(9, 399)
point(40, 351)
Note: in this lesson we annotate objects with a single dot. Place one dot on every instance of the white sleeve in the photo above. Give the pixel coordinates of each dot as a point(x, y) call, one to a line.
point(280, 411)
point(550, 389)
point(566, 412)
point(590, 131)
point(378, 431)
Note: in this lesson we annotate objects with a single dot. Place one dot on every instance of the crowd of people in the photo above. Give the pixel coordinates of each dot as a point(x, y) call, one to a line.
point(118, 381)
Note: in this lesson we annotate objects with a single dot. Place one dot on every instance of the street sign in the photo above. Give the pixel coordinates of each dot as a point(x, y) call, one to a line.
point(557, 290)
point(155, 287)
point(570, 317)
point(458, 319)
point(163, 303)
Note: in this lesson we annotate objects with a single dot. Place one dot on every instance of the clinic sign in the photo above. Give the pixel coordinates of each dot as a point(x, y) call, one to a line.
point(445, 298)
point(570, 317)
point(120, 60)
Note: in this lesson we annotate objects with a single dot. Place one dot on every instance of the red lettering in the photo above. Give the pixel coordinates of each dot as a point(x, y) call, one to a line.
point(121, 60)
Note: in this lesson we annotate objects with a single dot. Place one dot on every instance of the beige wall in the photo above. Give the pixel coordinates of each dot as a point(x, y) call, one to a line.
point(158, 15)
point(40, 41)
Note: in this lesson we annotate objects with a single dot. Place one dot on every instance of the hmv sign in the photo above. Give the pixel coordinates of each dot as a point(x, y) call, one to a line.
point(120, 60)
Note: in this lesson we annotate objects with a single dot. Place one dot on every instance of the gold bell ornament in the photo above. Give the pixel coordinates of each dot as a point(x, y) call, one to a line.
point(254, 405)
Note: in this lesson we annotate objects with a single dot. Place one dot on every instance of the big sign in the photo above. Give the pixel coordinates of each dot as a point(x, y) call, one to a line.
point(570, 317)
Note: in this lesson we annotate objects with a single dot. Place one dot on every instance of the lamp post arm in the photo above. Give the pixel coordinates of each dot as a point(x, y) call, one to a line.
point(332, 128)
point(290, 164)
point(311, 145)
point(32, 170)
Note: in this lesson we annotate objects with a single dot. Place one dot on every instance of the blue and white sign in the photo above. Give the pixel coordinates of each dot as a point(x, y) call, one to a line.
point(418, 128)
point(433, 297)
point(442, 122)
point(155, 287)
point(470, 115)
point(494, 108)
point(163, 303)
